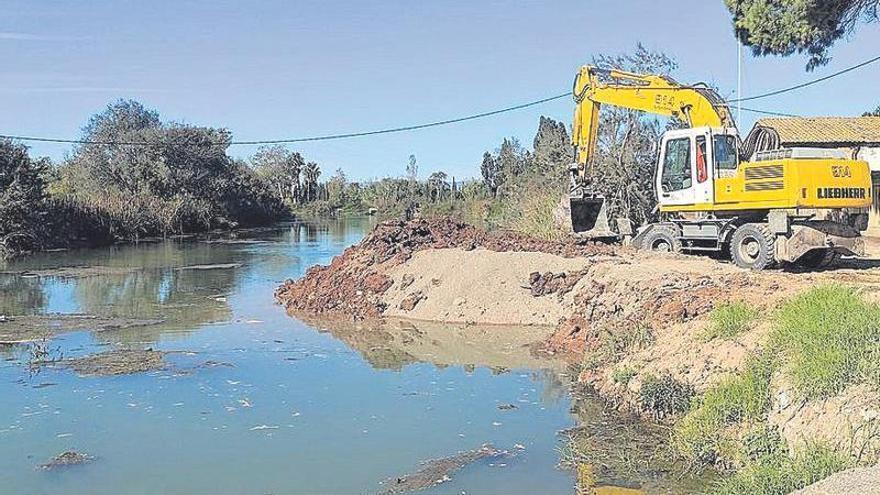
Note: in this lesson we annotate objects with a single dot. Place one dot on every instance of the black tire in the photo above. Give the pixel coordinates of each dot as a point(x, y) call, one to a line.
point(752, 246)
point(661, 238)
point(818, 259)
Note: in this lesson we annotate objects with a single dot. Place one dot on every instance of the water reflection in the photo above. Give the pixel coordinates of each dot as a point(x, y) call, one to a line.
point(185, 283)
point(21, 295)
point(613, 453)
point(393, 344)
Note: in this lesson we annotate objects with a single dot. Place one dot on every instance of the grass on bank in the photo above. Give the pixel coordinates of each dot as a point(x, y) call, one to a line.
point(780, 473)
point(702, 436)
point(823, 340)
point(829, 338)
point(729, 320)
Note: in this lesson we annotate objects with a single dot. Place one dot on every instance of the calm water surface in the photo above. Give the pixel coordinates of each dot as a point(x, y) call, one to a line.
point(261, 402)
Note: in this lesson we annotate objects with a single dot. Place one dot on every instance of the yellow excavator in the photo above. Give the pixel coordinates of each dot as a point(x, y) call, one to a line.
point(716, 192)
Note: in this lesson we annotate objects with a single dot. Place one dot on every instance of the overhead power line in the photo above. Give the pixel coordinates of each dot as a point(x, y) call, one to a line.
point(325, 137)
point(328, 137)
point(808, 83)
point(768, 112)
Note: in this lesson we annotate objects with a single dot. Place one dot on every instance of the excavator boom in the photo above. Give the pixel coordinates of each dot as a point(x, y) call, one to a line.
point(655, 94)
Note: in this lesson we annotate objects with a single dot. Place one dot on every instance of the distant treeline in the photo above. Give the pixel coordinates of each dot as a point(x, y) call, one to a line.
point(181, 180)
point(144, 177)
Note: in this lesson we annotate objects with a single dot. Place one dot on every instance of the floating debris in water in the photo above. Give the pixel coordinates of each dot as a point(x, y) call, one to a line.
point(263, 427)
point(507, 407)
point(67, 459)
point(437, 471)
point(117, 362)
point(219, 266)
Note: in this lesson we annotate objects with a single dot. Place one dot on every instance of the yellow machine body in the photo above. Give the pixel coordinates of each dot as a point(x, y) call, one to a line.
point(788, 184)
point(804, 205)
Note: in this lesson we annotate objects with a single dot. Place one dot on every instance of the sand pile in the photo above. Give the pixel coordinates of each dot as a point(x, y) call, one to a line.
point(356, 281)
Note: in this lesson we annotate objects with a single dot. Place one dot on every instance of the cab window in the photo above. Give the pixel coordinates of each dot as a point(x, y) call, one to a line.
point(724, 150)
point(677, 165)
point(702, 166)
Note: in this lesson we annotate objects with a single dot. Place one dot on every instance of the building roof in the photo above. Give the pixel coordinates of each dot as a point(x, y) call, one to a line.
point(824, 131)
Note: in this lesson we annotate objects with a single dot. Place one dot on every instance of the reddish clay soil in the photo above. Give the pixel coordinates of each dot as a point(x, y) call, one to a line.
point(354, 281)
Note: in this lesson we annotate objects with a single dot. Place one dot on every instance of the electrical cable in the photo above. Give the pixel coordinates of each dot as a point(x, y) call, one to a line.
point(328, 137)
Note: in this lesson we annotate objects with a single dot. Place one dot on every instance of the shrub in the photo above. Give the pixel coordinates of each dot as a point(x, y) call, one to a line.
point(531, 211)
point(829, 338)
point(729, 320)
point(664, 395)
point(22, 200)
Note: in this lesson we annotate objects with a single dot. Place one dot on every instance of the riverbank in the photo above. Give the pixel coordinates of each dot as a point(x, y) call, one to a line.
point(659, 335)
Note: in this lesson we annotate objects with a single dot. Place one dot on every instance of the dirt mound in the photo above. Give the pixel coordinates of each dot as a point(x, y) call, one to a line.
point(862, 481)
point(354, 282)
point(399, 239)
point(615, 301)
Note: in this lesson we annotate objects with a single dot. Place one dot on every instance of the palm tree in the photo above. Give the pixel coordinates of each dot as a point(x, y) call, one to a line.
point(311, 173)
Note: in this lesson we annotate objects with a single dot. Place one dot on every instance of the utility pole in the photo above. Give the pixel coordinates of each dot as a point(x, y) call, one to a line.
point(739, 82)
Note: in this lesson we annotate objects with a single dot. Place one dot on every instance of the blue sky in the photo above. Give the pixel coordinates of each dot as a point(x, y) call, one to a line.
point(276, 69)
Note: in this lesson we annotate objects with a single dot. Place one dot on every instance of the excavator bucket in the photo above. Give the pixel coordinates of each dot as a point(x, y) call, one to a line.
point(589, 217)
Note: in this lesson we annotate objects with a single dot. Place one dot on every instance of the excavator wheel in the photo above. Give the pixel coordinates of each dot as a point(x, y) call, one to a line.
point(661, 238)
point(818, 259)
point(752, 246)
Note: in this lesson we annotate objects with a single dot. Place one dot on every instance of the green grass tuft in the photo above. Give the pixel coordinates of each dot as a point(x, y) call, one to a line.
point(623, 375)
point(829, 337)
point(780, 474)
point(729, 320)
point(700, 435)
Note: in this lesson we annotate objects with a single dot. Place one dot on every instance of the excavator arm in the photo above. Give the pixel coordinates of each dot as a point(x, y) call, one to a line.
point(593, 87)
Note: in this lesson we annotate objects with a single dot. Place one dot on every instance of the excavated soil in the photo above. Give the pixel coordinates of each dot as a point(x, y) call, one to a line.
point(856, 481)
point(355, 281)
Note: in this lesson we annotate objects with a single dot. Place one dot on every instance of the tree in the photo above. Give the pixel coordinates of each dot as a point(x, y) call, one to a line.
point(22, 199)
point(553, 151)
point(311, 174)
point(148, 177)
point(512, 159)
point(280, 169)
point(623, 165)
point(491, 172)
point(412, 174)
point(783, 27)
point(336, 188)
point(874, 113)
point(438, 186)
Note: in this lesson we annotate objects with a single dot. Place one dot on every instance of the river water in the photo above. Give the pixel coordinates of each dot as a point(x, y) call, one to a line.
point(258, 402)
point(253, 401)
